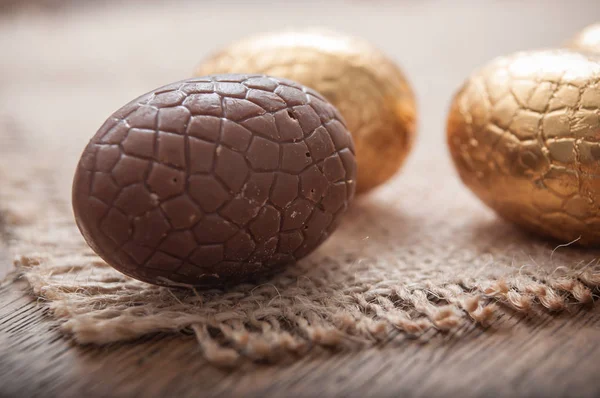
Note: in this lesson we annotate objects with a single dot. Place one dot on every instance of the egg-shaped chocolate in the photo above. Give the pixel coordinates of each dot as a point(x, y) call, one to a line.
point(214, 179)
point(587, 40)
point(524, 133)
point(367, 87)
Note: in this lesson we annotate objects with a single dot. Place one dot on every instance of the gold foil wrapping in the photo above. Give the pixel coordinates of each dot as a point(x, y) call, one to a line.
point(369, 90)
point(587, 40)
point(524, 133)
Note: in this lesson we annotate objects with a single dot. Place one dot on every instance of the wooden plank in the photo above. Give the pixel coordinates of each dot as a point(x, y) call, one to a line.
point(5, 263)
point(536, 355)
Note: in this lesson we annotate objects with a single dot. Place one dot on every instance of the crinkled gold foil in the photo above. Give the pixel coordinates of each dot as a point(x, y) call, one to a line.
point(524, 133)
point(370, 91)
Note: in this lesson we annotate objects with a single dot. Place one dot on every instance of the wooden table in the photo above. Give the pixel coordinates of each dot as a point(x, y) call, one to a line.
point(536, 355)
point(541, 355)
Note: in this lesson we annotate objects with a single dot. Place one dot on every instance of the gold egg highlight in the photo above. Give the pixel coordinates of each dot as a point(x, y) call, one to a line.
point(587, 40)
point(370, 91)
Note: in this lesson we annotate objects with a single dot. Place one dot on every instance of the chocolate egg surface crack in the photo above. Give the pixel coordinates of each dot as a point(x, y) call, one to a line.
point(214, 179)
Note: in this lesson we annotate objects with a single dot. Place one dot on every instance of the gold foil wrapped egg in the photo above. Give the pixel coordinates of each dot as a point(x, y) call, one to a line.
point(368, 89)
point(587, 40)
point(524, 133)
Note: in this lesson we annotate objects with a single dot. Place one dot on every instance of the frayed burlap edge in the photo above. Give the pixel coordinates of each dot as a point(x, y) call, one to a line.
point(260, 323)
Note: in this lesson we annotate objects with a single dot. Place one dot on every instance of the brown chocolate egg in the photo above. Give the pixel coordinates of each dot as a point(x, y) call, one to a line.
point(215, 179)
point(587, 40)
point(370, 91)
point(524, 133)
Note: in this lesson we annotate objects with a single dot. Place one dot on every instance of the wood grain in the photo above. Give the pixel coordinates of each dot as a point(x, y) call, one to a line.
point(539, 355)
point(5, 264)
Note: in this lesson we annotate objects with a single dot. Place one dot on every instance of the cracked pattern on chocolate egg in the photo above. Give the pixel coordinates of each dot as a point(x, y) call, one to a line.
point(524, 133)
point(214, 179)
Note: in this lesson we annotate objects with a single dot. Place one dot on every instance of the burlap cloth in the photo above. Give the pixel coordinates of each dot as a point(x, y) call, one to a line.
point(418, 256)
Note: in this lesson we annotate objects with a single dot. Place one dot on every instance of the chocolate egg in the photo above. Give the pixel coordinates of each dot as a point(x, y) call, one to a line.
point(524, 133)
point(587, 40)
point(370, 91)
point(214, 179)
